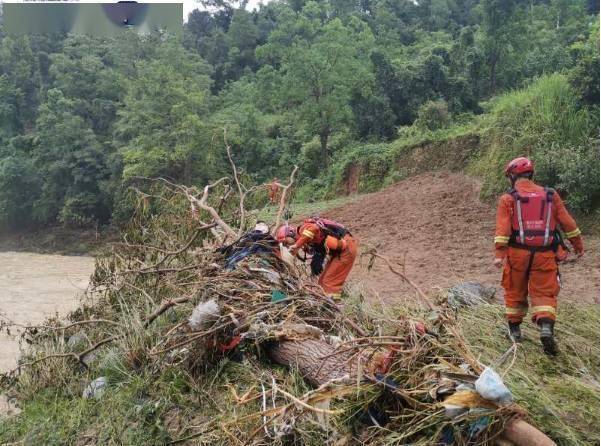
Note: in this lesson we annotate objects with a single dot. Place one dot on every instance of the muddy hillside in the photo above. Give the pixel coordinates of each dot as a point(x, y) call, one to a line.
point(436, 226)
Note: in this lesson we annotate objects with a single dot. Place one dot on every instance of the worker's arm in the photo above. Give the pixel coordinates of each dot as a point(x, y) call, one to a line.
point(568, 225)
point(503, 228)
point(307, 234)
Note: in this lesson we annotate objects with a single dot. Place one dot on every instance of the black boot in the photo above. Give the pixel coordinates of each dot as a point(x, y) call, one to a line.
point(546, 336)
point(515, 333)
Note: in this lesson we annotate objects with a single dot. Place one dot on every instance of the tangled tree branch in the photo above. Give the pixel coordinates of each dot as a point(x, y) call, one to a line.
point(285, 190)
point(372, 251)
point(241, 193)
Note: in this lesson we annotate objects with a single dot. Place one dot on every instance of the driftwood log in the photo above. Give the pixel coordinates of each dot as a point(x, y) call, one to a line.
point(320, 362)
point(316, 359)
point(520, 433)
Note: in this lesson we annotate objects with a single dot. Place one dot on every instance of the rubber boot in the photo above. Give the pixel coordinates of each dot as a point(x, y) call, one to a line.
point(515, 333)
point(546, 336)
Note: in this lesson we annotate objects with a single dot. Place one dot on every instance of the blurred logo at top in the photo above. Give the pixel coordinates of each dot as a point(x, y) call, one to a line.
point(94, 19)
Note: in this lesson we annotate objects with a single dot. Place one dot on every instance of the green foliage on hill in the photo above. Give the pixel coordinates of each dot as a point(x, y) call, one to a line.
point(545, 122)
point(313, 83)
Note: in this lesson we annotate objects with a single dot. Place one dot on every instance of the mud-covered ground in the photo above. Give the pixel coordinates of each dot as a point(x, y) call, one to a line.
point(437, 227)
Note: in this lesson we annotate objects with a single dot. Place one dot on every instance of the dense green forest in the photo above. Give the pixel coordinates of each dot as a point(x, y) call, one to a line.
point(314, 83)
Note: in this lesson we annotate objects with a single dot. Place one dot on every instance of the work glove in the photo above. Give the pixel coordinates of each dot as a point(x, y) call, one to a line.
point(561, 254)
point(578, 246)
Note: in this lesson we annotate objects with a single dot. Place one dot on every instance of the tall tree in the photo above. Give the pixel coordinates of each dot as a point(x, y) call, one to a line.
point(160, 127)
point(71, 163)
point(321, 69)
point(497, 26)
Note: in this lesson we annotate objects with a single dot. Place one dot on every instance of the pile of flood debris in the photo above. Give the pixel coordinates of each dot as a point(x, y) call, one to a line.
point(185, 290)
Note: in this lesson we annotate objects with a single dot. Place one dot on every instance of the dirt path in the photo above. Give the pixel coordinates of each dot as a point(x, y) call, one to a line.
point(436, 225)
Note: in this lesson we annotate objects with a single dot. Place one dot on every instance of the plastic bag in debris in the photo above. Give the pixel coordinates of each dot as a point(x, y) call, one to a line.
point(490, 386)
point(477, 427)
point(463, 401)
point(252, 242)
point(286, 256)
point(469, 294)
point(96, 388)
point(277, 295)
point(203, 315)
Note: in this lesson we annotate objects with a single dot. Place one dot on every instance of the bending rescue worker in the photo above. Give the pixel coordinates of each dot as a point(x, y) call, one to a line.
point(323, 238)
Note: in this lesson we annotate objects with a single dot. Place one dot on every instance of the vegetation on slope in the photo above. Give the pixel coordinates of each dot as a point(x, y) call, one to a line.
point(543, 121)
point(312, 83)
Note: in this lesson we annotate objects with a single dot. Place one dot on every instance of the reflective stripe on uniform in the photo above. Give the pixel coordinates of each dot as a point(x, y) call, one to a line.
point(548, 224)
point(308, 234)
point(543, 309)
point(520, 311)
point(574, 233)
point(501, 239)
point(520, 223)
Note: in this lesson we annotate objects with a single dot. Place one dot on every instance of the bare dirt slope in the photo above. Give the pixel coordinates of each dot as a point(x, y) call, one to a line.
point(436, 225)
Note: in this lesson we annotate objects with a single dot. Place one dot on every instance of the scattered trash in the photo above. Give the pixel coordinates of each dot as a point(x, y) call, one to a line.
point(286, 256)
point(277, 295)
point(96, 388)
point(89, 358)
point(204, 314)
point(460, 402)
point(468, 294)
point(76, 340)
point(491, 386)
point(478, 426)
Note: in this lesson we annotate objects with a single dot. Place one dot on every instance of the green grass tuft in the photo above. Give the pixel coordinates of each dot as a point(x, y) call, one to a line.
point(562, 393)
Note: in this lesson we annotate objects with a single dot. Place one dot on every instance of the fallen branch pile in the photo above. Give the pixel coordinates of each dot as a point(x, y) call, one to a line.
point(163, 300)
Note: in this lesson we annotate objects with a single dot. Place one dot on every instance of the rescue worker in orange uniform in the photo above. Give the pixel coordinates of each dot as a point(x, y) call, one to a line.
point(274, 190)
point(324, 238)
point(528, 245)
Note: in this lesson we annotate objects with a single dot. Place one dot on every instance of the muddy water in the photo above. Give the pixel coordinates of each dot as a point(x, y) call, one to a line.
point(34, 286)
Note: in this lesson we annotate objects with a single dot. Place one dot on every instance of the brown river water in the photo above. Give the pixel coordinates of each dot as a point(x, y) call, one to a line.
point(35, 286)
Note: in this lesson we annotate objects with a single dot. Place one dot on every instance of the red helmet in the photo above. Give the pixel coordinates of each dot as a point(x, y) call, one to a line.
point(285, 231)
point(519, 166)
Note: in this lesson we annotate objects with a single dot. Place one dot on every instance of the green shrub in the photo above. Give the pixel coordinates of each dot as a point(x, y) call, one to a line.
point(544, 121)
point(395, 176)
point(433, 115)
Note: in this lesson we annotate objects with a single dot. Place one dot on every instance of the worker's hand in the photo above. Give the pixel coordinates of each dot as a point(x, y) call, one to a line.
point(578, 246)
point(499, 262)
point(293, 250)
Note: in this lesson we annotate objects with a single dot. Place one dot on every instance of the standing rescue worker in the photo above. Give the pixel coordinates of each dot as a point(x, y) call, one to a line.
point(529, 245)
point(274, 190)
point(324, 238)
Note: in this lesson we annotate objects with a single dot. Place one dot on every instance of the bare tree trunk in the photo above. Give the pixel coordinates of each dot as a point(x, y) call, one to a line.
point(493, 71)
point(317, 361)
point(323, 139)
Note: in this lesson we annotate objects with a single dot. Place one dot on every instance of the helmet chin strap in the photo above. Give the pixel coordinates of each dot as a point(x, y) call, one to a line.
point(514, 178)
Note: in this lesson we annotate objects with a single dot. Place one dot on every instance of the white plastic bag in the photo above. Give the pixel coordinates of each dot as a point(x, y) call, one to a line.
point(286, 256)
point(96, 388)
point(490, 386)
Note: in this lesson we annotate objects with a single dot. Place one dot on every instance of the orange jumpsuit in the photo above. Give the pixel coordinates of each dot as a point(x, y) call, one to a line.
point(527, 272)
point(341, 260)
